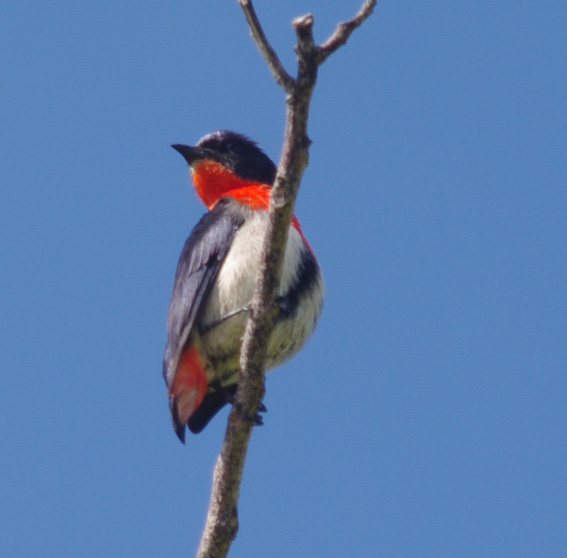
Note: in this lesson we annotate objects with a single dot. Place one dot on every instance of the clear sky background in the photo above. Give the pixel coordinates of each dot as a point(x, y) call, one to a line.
point(427, 416)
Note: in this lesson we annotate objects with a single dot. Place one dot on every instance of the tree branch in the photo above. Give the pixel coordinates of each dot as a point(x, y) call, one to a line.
point(344, 30)
point(276, 67)
point(222, 519)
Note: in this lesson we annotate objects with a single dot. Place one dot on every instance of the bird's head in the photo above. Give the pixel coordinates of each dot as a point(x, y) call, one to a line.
point(224, 161)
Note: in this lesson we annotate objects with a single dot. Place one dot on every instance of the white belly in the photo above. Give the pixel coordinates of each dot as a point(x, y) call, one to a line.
point(227, 304)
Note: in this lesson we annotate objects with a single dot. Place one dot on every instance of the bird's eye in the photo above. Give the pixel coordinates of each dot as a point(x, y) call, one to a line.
point(231, 147)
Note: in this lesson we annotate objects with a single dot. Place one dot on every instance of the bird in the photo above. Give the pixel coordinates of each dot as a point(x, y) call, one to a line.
point(216, 275)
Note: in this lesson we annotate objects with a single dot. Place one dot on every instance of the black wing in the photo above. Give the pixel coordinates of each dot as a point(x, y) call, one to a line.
point(198, 265)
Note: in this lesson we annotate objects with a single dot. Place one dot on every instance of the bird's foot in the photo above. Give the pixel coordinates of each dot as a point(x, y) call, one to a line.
point(229, 394)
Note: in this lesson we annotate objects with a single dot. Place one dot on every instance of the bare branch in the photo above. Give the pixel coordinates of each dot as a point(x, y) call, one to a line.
point(276, 67)
point(344, 30)
point(303, 26)
point(222, 520)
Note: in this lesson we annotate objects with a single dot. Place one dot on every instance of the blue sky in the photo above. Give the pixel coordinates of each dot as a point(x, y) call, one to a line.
point(427, 415)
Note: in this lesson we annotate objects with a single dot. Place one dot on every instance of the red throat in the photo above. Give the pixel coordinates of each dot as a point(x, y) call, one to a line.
point(213, 181)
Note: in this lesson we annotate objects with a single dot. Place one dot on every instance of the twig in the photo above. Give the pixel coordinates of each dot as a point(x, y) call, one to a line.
point(269, 54)
point(222, 519)
point(344, 30)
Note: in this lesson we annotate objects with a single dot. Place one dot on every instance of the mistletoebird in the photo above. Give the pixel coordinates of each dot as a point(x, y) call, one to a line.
point(216, 276)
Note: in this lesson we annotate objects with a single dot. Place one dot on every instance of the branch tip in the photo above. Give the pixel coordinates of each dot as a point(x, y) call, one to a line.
point(344, 30)
point(303, 21)
point(274, 64)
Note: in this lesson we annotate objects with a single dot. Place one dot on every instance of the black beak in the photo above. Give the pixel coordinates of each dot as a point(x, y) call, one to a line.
point(190, 154)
